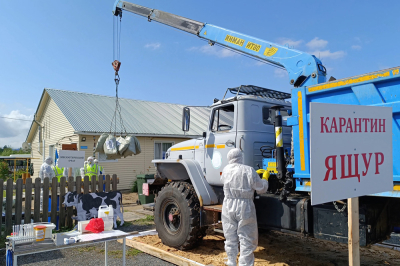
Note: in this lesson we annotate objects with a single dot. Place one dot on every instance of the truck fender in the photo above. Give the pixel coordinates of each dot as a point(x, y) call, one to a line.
point(184, 169)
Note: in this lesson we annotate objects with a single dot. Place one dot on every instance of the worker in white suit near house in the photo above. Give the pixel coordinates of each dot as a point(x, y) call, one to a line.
point(239, 219)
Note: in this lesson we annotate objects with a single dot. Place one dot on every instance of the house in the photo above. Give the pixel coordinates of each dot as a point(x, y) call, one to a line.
point(66, 117)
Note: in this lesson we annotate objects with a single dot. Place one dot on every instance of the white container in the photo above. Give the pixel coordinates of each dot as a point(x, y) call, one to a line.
point(49, 229)
point(107, 214)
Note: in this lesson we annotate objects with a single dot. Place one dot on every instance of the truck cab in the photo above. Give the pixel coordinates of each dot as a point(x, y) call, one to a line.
point(243, 121)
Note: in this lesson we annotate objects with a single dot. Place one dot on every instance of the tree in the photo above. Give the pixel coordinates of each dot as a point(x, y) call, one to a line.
point(4, 172)
point(7, 151)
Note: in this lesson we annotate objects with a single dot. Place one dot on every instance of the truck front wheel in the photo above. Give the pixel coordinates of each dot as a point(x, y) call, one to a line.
point(177, 216)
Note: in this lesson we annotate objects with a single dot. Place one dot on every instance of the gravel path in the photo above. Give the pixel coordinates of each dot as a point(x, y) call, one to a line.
point(92, 255)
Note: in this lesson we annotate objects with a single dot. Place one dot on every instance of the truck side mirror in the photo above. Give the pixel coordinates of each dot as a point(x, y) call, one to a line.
point(204, 135)
point(186, 119)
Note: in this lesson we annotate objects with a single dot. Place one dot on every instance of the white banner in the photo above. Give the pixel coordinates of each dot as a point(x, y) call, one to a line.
point(71, 158)
point(351, 151)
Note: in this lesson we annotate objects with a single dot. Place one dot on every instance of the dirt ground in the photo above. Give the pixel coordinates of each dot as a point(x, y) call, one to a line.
point(281, 249)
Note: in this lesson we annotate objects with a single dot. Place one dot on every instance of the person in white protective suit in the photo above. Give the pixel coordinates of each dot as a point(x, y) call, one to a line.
point(239, 219)
point(46, 170)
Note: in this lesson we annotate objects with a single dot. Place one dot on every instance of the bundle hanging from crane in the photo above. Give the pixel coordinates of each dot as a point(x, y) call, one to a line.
point(108, 143)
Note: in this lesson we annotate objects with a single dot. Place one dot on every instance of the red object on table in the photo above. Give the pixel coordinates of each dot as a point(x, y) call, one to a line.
point(95, 225)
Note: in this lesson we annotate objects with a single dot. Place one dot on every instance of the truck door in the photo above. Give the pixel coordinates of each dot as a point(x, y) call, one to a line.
point(221, 138)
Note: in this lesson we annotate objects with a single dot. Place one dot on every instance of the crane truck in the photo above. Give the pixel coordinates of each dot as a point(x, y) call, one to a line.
point(190, 196)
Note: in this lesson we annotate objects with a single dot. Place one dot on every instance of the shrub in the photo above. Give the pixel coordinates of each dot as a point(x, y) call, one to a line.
point(4, 172)
point(134, 187)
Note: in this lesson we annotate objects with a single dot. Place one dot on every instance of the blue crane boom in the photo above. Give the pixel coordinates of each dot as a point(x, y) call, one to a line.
point(303, 69)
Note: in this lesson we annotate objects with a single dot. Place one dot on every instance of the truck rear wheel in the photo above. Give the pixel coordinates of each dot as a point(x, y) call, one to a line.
point(177, 216)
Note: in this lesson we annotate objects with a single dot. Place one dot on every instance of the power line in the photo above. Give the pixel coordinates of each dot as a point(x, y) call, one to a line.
point(15, 118)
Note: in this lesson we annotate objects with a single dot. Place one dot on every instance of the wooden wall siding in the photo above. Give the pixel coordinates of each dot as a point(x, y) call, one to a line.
point(57, 130)
point(15, 216)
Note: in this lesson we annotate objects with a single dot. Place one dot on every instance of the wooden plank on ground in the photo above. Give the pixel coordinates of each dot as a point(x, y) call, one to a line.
point(18, 202)
point(46, 188)
point(114, 182)
point(36, 210)
point(101, 189)
point(9, 204)
point(53, 206)
point(216, 208)
point(161, 254)
point(108, 181)
point(62, 196)
point(69, 209)
point(28, 200)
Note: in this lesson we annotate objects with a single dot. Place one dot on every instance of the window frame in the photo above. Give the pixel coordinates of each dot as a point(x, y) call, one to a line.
point(213, 116)
point(161, 142)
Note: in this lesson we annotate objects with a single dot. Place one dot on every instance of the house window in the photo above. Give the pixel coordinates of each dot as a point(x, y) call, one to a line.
point(160, 148)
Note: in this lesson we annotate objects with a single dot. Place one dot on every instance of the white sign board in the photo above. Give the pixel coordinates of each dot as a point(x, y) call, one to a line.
point(71, 158)
point(351, 151)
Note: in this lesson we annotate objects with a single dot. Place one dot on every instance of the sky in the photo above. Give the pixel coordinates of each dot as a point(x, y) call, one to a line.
point(68, 45)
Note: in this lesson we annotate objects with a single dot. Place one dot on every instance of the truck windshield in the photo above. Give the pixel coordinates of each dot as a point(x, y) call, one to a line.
point(223, 118)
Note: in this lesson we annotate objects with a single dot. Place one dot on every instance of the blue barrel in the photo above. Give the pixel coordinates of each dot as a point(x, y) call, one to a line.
point(58, 209)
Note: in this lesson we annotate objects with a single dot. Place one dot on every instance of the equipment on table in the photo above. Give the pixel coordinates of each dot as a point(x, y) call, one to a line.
point(82, 226)
point(107, 214)
point(96, 225)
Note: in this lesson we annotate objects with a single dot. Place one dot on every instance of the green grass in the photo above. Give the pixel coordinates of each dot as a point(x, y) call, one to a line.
point(118, 253)
point(148, 220)
point(125, 223)
point(87, 249)
point(129, 253)
point(63, 230)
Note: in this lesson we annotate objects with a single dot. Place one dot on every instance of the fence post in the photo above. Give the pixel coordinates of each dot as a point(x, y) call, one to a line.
point(62, 196)
point(45, 217)
point(69, 209)
point(101, 183)
point(28, 200)
point(108, 183)
point(93, 184)
point(1, 204)
point(78, 185)
point(86, 185)
point(36, 209)
point(114, 182)
point(18, 202)
point(9, 203)
point(53, 209)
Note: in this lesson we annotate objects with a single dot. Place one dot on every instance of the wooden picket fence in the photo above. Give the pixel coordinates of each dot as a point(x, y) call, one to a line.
point(52, 189)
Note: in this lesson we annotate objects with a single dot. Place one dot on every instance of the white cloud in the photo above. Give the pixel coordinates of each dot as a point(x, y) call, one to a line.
point(290, 42)
point(329, 54)
point(213, 50)
point(356, 47)
point(14, 132)
point(280, 73)
point(317, 43)
point(153, 46)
